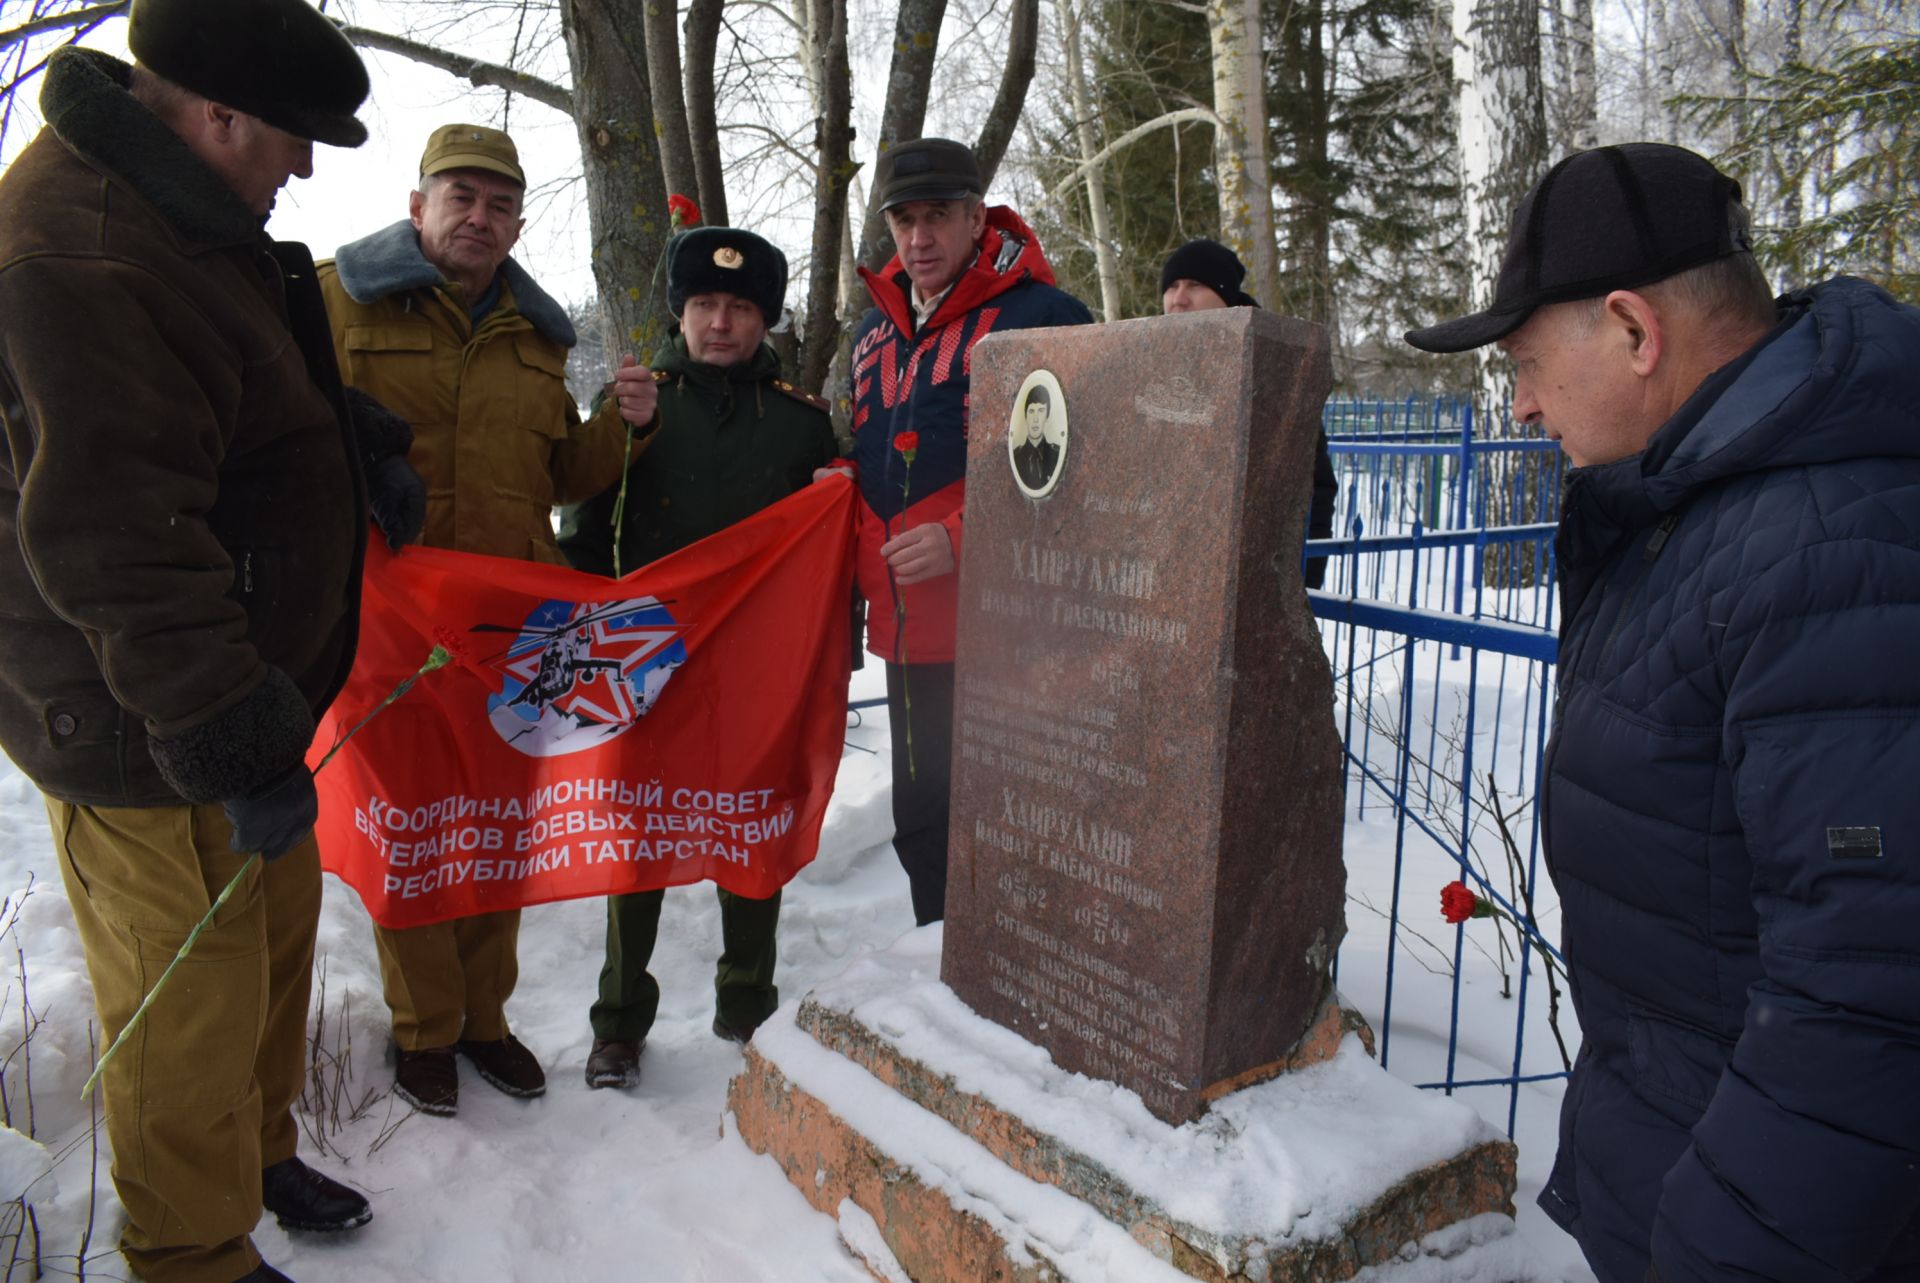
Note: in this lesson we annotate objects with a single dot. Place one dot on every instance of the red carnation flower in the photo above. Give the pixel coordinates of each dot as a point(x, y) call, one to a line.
point(907, 442)
point(1457, 903)
point(683, 211)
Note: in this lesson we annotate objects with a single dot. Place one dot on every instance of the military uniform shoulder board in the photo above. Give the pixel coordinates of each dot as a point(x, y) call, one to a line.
point(818, 403)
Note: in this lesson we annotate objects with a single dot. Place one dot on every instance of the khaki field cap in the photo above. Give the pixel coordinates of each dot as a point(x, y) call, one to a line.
point(471, 147)
point(278, 60)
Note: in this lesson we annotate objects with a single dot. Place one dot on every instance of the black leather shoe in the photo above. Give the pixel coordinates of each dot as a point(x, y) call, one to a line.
point(613, 1063)
point(263, 1273)
point(303, 1199)
point(428, 1080)
point(507, 1065)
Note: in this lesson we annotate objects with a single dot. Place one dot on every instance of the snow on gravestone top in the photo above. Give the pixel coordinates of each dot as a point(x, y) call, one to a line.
point(1145, 874)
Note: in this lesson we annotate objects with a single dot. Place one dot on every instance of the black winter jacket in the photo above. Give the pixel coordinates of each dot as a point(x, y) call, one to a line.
point(1733, 818)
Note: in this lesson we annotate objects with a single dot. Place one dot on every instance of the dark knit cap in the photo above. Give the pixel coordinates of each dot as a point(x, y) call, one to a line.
point(1213, 265)
point(279, 60)
point(927, 169)
point(726, 260)
point(1613, 218)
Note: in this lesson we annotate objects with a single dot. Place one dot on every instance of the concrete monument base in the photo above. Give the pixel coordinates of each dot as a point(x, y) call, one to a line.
point(952, 1150)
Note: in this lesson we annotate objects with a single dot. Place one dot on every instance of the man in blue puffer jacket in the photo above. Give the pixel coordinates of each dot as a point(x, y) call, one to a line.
point(1732, 795)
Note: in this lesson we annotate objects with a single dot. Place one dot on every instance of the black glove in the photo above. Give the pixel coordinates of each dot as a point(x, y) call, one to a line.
point(275, 816)
point(398, 498)
point(378, 431)
point(394, 490)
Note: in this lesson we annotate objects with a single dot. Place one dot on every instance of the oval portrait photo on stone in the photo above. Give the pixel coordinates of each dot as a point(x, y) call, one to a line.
point(1037, 435)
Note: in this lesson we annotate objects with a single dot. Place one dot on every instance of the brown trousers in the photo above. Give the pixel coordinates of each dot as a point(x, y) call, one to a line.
point(451, 980)
point(201, 1096)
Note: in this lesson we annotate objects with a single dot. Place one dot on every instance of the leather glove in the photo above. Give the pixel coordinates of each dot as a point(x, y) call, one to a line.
point(398, 498)
point(273, 818)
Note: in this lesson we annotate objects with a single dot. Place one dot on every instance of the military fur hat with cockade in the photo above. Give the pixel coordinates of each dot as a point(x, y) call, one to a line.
point(726, 260)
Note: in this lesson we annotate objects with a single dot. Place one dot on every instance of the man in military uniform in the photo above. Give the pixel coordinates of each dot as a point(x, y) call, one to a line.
point(182, 520)
point(732, 439)
point(432, 317)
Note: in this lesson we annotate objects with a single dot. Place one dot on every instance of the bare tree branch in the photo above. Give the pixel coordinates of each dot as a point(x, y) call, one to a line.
point(1179, 116)
point(482, 75)
point(60, 21)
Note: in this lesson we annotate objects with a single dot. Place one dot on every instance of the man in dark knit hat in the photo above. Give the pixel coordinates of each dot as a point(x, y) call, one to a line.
point(1203, 275)
point(732, 438)
point(184, 517)
point(433, 316)
point(963, 269)
point(1732, 821)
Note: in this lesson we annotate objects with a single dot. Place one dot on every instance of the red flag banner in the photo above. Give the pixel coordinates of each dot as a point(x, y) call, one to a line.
point(593, 736)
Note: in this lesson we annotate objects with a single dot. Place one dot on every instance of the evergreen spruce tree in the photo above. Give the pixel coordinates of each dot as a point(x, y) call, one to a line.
point(1363, 122)
point(1851, 127)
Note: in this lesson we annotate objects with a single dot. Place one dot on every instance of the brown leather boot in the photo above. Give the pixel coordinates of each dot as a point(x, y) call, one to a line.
point(613, 1063)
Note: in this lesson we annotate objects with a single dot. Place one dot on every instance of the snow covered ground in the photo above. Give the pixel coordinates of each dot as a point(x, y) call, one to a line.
point(655, 1185)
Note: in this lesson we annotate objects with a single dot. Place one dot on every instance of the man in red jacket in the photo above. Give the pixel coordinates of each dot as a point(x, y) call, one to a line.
point(963, 270)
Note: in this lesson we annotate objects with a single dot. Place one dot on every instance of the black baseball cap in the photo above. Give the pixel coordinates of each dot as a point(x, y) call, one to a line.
point(927, 169)
point(1613, 218)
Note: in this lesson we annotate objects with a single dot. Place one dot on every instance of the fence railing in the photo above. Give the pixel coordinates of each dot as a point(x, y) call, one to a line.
point(1439, 622)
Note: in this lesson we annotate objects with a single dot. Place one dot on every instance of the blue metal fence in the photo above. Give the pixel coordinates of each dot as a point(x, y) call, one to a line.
point(1442, 582)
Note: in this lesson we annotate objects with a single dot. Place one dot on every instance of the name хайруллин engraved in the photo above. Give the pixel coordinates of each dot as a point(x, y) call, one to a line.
point(1106, 574)
point(1065, 842)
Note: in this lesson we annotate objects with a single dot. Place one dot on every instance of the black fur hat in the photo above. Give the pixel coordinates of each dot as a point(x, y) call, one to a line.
point(726, 260)
point(280, 60)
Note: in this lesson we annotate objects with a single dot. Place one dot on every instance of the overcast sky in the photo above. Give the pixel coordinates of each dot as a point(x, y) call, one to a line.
point(356, 191)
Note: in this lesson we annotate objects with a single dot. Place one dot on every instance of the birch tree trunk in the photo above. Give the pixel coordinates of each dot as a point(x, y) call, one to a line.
point(1107, 269)
point(1503, 151)
point(1736, 45)
point(703, 127)
point(1793, 157)
point(1585, 107)
point(916, 38)
point(662, 39)
point(1240, 140)
point(826, 37)
point(626, 194)
point(1660, 32)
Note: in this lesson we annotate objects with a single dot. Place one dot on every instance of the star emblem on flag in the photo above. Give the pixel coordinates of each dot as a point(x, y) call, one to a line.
point(588, 660)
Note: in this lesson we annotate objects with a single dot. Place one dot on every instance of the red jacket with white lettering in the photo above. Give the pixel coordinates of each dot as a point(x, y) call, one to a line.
point(907, 380)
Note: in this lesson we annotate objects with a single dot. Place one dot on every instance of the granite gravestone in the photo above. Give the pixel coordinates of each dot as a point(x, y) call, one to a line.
point(1145, 872)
